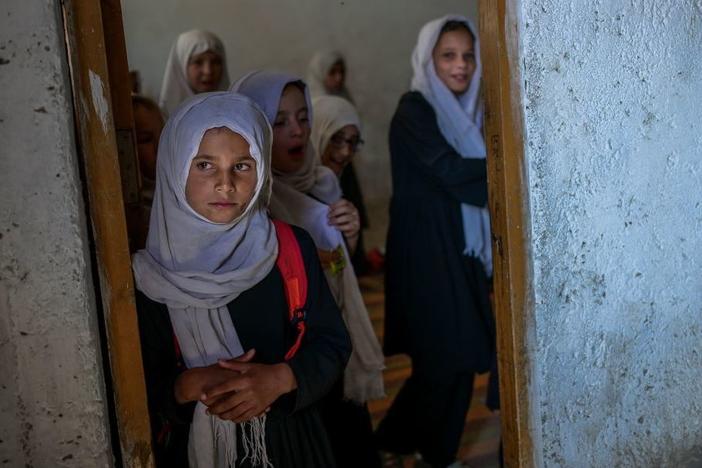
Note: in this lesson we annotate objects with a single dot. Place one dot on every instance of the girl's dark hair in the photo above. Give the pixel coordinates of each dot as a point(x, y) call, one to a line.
point(455, 25)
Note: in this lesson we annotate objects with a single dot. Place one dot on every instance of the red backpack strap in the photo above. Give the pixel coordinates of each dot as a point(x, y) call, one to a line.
point(292, 268)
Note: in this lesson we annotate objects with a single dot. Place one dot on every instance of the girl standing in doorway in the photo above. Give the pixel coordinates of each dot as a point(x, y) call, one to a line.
point(223, 389)
point(438, 260)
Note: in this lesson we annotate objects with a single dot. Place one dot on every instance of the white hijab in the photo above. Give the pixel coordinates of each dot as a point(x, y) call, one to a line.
point(460, 120)
point(331, 114)
point(363, 379)
point(196, 267)
point(317, 71)
point(175, 88)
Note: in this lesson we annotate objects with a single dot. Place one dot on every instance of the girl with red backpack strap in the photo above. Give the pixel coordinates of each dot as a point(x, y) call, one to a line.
point(259, 339)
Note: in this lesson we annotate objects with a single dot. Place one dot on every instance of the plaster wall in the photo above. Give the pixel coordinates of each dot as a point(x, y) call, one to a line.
point(52, 396)
point(614, 152)
point(377, 39)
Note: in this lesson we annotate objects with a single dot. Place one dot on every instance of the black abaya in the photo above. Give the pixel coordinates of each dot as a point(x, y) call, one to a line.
point(295, 435)
point(437, 307)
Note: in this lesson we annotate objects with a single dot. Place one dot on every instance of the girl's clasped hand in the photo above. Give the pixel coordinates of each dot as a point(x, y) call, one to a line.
point(236, 389)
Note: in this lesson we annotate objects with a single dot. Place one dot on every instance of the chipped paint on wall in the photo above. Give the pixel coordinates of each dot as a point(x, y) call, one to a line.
point(100, 105)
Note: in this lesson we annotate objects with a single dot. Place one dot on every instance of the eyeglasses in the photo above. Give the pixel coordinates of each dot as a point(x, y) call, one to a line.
point(339, 142)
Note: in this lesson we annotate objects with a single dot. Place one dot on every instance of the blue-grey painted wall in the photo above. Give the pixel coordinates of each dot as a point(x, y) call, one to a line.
point(613, 116)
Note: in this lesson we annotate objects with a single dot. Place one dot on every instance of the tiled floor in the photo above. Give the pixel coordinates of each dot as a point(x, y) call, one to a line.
point(481, 436)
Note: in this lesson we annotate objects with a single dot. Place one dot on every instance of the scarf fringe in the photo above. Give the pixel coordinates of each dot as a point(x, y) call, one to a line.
point(213, 442)
point(253, 437)
point(225, 436)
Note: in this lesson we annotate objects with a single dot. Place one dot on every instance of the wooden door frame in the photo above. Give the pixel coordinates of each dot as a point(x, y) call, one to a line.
point(92, 30)
point(509, 210)
point(96, 119)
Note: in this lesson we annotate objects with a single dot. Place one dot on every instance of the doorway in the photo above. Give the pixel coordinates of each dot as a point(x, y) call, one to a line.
point(95, 33)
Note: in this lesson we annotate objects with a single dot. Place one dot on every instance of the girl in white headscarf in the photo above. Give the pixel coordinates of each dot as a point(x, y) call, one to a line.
point(336, 137)
point(197, 64)
point(307, 194)
point(438, 260)
point(336, 132)
point(208, 290)
point(326, 75)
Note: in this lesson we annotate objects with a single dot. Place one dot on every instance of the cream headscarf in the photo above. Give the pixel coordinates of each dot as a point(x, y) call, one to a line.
point(363, 379)
point(460, 120)
point(317, 72)
point(331, 114)
point(175, 88)
point(196, 267)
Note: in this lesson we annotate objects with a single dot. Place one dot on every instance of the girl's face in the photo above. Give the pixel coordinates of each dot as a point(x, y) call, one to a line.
point(291, 131)
point(204, 72)
point(334, 81)
point(148, 124)
point(454, 60)
point(341, 148)
point(222, 177)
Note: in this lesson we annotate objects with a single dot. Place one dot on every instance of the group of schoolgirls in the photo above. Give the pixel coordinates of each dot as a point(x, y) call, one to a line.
point(257, 346)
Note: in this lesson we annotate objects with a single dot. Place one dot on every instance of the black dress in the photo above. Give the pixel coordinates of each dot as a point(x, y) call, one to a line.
point(437, 307)
point(295, 435)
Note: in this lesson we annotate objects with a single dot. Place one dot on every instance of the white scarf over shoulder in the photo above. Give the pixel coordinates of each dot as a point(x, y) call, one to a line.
point(292, 203)
point(175, 88)
point(460, 119)
point(196, 267)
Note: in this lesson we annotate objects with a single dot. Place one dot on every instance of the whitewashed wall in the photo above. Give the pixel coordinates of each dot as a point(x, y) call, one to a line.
point(614, 147)
point(52, 392)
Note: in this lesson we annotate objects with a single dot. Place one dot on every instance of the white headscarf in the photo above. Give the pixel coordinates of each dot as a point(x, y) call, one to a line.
point(331, 114)
point(363, 379)
point(317, 72)
point(196, 267)
point(460, 119)
point(175, 88)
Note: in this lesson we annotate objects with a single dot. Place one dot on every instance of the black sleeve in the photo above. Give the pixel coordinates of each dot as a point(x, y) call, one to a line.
point(326, 346)
point(161, 365)
point(415, 134)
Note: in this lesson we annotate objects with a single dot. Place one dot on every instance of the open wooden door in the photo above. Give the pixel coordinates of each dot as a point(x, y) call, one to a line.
point(103, 118)
point(509, 211)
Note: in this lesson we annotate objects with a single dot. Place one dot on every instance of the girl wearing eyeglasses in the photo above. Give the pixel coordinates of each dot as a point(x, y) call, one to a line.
point(336, 136)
